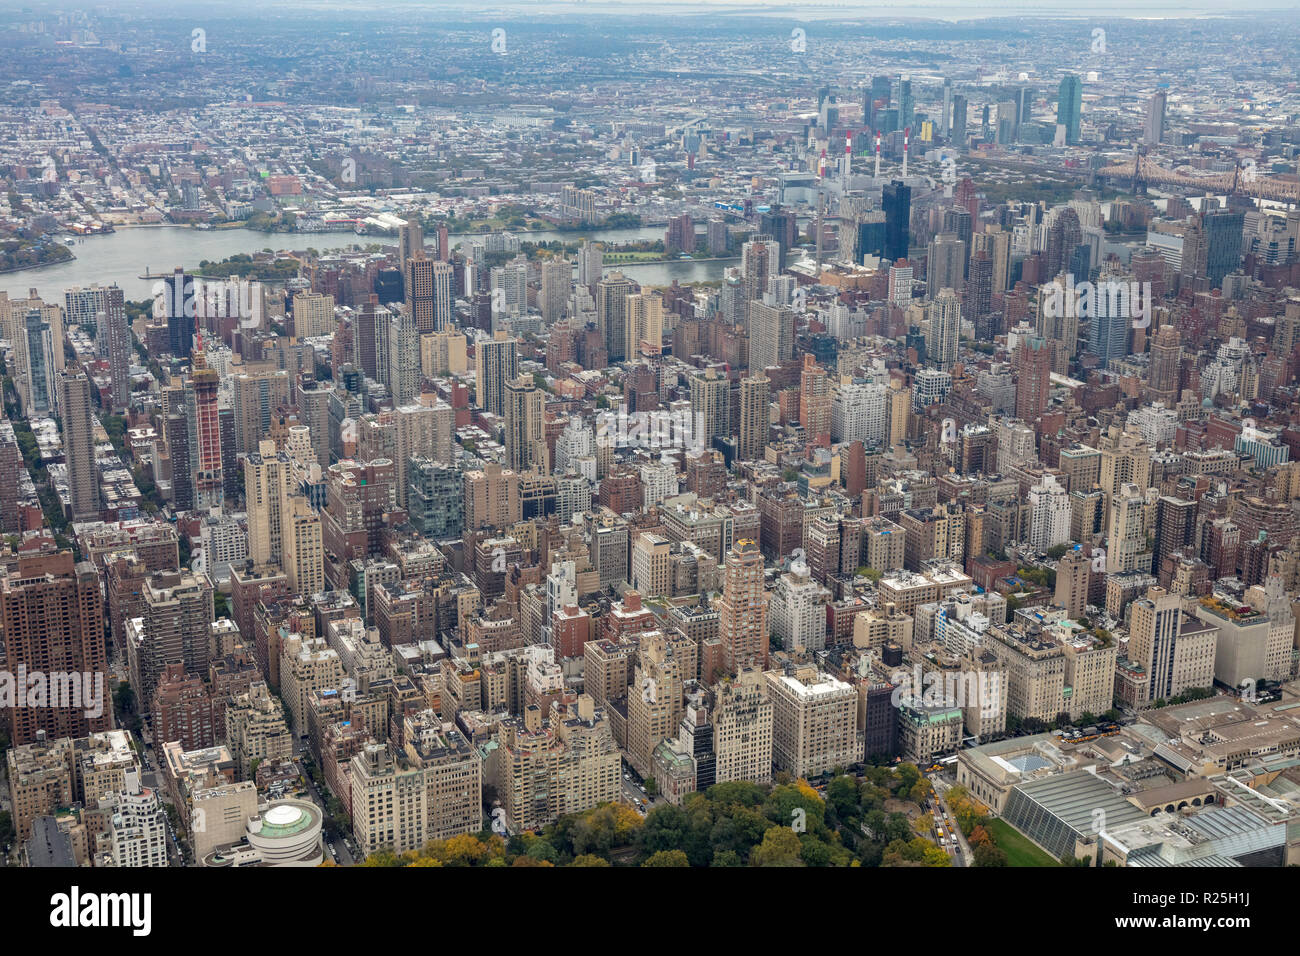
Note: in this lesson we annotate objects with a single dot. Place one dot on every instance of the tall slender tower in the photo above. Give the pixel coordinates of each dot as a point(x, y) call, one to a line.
point(420, 297)
point(755, 417)
point(525, 429)
point(1166, 357)
point(205, 433)
point(79, 445)
point(611, 314)
point(814, 400)
point(742, 609)
point(496, 363)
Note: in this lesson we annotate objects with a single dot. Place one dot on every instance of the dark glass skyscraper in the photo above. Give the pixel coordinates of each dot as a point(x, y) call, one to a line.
point(872, 237)
point(880, 90)
point(1069, 105)
point(181, 298)
point(897, 200)
point(905, 103)
point(958, 135)
point(1222, 244)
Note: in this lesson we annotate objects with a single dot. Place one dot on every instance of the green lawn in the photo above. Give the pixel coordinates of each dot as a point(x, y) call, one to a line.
point(1019, 849)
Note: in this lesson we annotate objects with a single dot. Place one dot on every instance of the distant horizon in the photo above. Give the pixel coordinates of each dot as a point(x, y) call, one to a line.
point(934, 11)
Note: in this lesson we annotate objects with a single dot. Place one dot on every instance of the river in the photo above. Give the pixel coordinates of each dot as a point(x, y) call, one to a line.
point(123, 256)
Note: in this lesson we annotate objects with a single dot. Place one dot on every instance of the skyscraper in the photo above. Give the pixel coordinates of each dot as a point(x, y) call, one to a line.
point(979, 293)
point(814, 400)
point(420, 291)
point(945, 329)
point(759, 261)
point(37, 369)
point(180, 305)
point(1166, 359)
point(1175, 528)
point(1127, 535)
point(1063, 235)
point(755, 417)
point(771, 335)
point(496, 362)
point(611, 314)
point(177, 433)
point(591, 259)
point(1072, 573)
point(945, 264)
point(1032, 361)
point(958, 133)
point(410, 243)
point(742, 609)
point(1223, 229)
point(897, 201)
point(79, 446)
point(266, 485)
point(369, 318)
point(52, 616)
point(1155, 128)
point(106, 309)
point(525, 432)
point(906, 107)
point(403, 364)
point(711, 402)
point(1174, 654)
point(1069, 106)
point(205, 433)
point(645, 322)
point(557, 281)
point(1024, 107)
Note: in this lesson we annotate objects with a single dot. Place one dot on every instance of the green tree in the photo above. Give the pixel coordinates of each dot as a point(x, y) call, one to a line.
point(780, 847)
point(986, 854)
point(667, 858)
point(666, 828)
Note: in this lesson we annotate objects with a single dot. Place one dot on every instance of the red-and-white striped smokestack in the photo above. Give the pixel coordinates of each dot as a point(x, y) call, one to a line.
point(877, 155)
point(907, 138)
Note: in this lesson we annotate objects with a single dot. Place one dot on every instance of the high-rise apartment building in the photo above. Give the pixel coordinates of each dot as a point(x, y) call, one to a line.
point(814, 400)
point(755, 417)
point(266, 486)
point(742, 609)
point(496, 362)
point(645, 323)
point(79, 446)
point(945, 264)
point(945, 330)
point(313, 315)
point(1174, 650)
point(557, 284)
point(711, 402)
point(525, 439)
point(771, 335)
point(53, 624)
point(742, 729)
point(611, 314)
point(814, 722)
